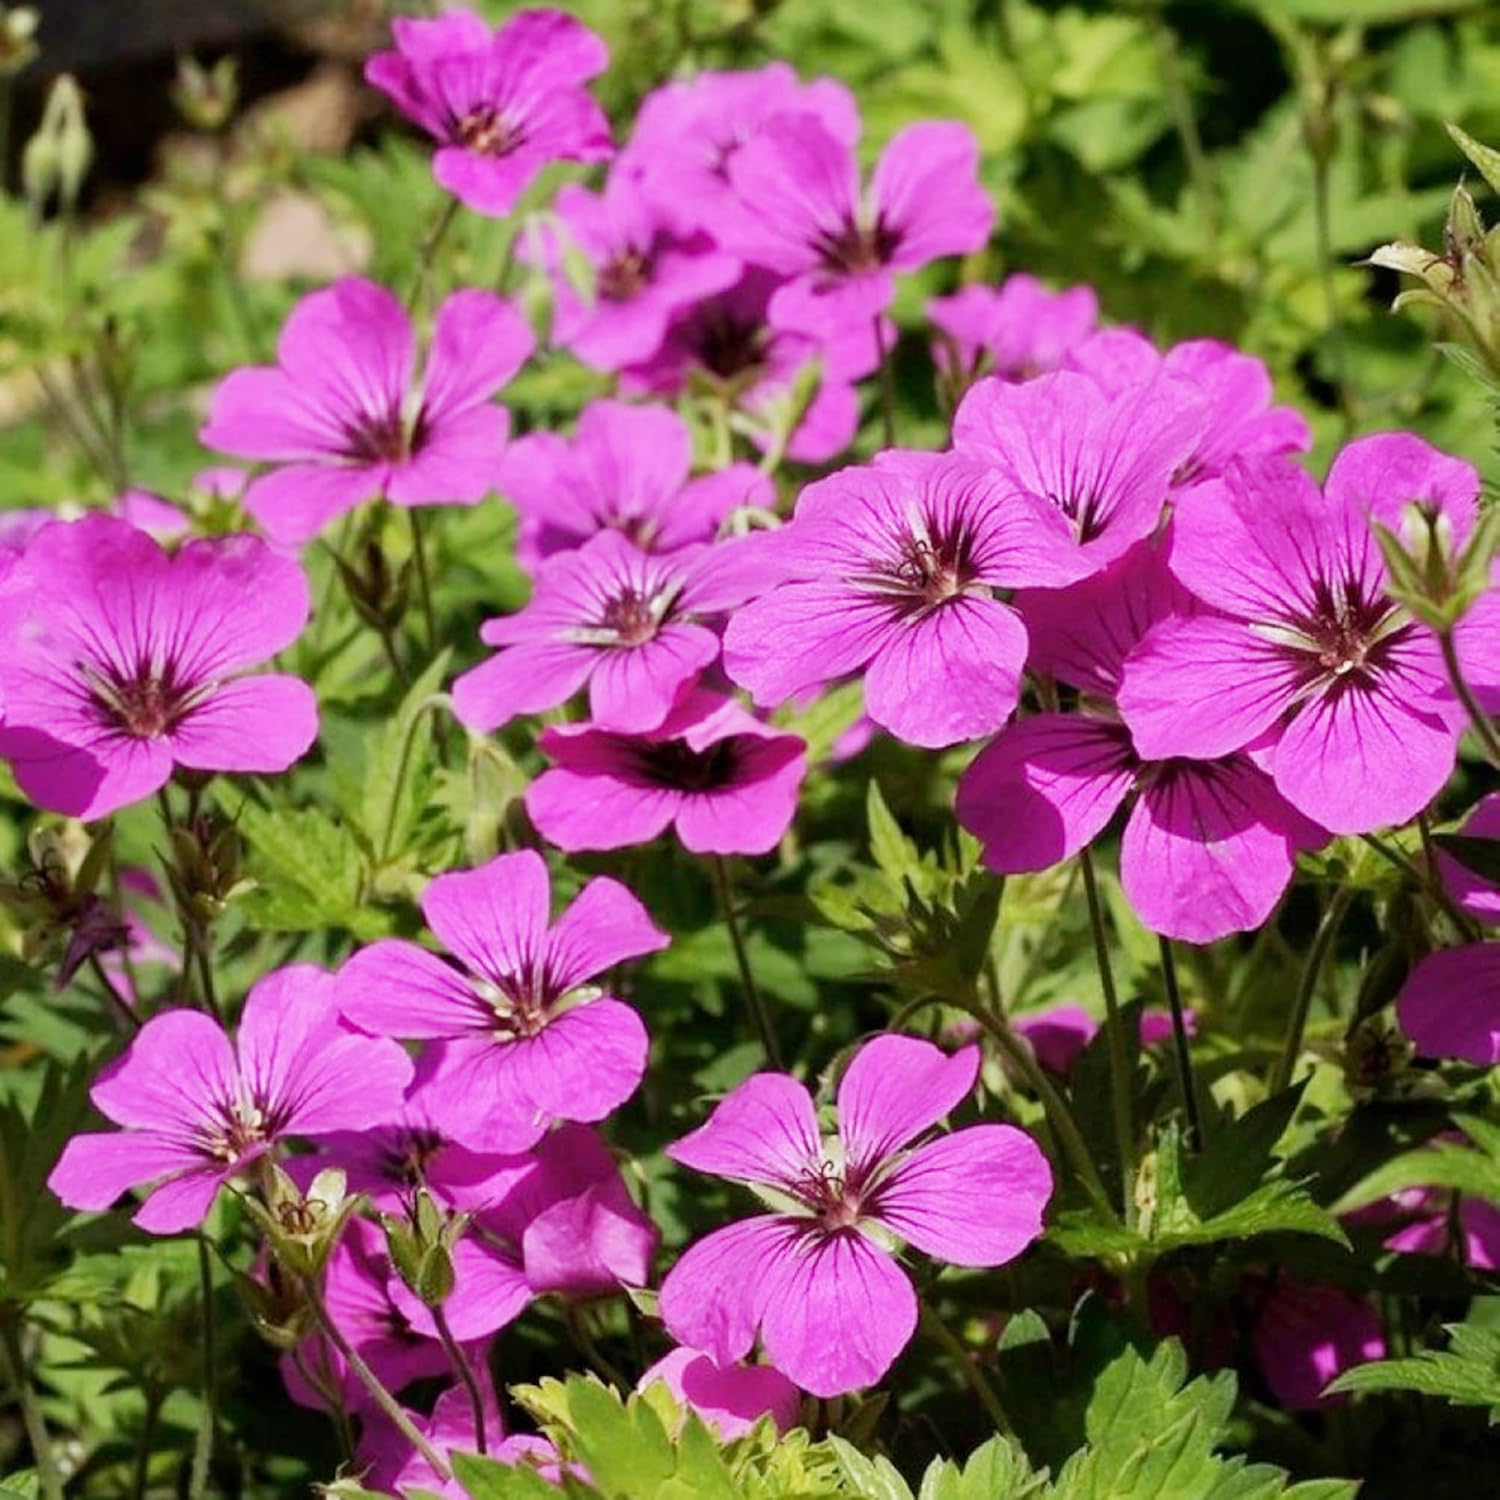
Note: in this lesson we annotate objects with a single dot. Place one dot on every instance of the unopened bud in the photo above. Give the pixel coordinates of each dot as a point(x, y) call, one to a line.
point(421, 1247)
point(206, 97)
point(17, 38)
point(1464, 231)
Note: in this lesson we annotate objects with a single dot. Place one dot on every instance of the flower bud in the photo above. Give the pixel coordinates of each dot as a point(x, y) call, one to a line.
point(17, 38)
point(206, 97)
point(302, 1230)
point(421, 1246)
point(56, 159)
point(277, 1306)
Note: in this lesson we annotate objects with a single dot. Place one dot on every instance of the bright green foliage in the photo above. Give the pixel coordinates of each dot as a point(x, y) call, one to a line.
point(1466, 1373)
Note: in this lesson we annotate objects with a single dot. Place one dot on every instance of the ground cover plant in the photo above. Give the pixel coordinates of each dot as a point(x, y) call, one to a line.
point(776, 779)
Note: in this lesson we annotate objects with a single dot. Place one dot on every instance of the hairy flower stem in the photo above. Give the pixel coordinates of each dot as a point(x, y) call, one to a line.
point(758, 1012)
point(31, 1412)
point(326, 1388)
point(435, 704)
point(1119, 1055)
point(1484, 727)
point(887, 384)
point(121, 1011)
point(1426, 880)
point(428, 253)
point(973, 1376)
point(371, 1382)
point(1322, 941)
point(1196, 1139)
point(143, 1445)
point(203, 1444)
point(465, 1372)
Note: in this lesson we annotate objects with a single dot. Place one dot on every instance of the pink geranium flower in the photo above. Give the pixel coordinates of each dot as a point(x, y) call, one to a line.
point(816, 1279)
point(624, 623)
point(1303, 644)
point(729, 342)
point(198, 1109)
point(803, 213)
point(892, 570)
point(1103, 462)
point(1237, 419)
point(643, 272)
point(558, 1219)
point(730, 1399)
point(1209, 846)
point(1450, 1006)
point(123, 662)
point(341, 421)
point(687, 133)
point(1306, 1336)
point(1016, 331)
point(161, 520)
point(723, 780)
point(1059, 1034)
point(527, 1039)
point(356, 1292)
point(626, 469)
point(501, 104)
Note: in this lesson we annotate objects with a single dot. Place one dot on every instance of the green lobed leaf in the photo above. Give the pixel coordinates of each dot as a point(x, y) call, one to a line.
point(1466, 1373)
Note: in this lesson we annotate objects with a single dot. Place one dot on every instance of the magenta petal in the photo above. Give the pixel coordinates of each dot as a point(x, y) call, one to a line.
point(494, 917)
point(896, 1087)
point(489, 1291)
point(837, 1314)
point(1361, 756)
point(394, 988)
point(1204, 687)
point(1209, 849)
point(252, 724)
point(1478, 896)
point(926, 189)
point(730, 1399)
point(479, 341)
point(181, 1202)
point(604, 926)
point(584, 1064)
point(634, 688)
point(579, 809)
point(295, 503)
point(972, 1198)
point(524, 679)
point(590, 1244)
point(1381, 474)
point(765, 1130)
point(951, 676)
point(1044, 789)
point(95, 1169)
point(179, 1064)
point(1305, 1336)
point(1450, 1006)
point(713, 1298)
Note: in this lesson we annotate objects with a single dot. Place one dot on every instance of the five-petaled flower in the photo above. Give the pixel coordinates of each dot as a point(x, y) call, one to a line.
point(816, 1278)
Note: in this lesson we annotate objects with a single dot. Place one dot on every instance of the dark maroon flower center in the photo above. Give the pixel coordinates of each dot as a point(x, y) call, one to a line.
point(243, 1124)
point(625, 275)
point(833, 1196)
point(382, 438)
point(857, 249)
point(408, 1156)
point(931, 566)
point(631, 617)
point(1087, 510)
point(675, 765)
point(144, 706)
point(1346, 633)
point(730, 348)
point(485, 130)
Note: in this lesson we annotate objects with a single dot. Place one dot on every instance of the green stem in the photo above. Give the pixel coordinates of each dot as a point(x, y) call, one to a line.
point(887, 384)
point(203, 1445)
point(428, 705)
point(143, 1446)
point(424, 579)
point(1196, 1139)
point(758, 1013)
point(1484, 728)
point(461, 1367)
point(973, 1376)
point(428, 252)
point(1425, 880)
point(1322, 941)
point(31, 1411)
point(117, 1004)
point(371, 1382)
point(1323, 222)
point(1119, 1055)
point(326, 1386)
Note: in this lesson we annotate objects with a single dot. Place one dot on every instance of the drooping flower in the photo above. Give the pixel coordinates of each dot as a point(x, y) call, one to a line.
point(123, 662)
point(1209, 846)
point(644, 273)
point(1104, 463)
point(1306, 1336)
point(356, 1293)
point(723, 780)
point(557, 1219)
point(626, 469)
point(197, 1109)
point(730, 1399)
point(892, 570)
point(801, 211)
point(1476, 895)
point(1450, 1005)
point(501, 104)
point(1015, 331)
point(688, 131)
point(341, 421)
point(728, 343)
point(816, 1280)
point(624, 623)
point(1236, 417)
point(526, 1038)
point(1303, 644)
